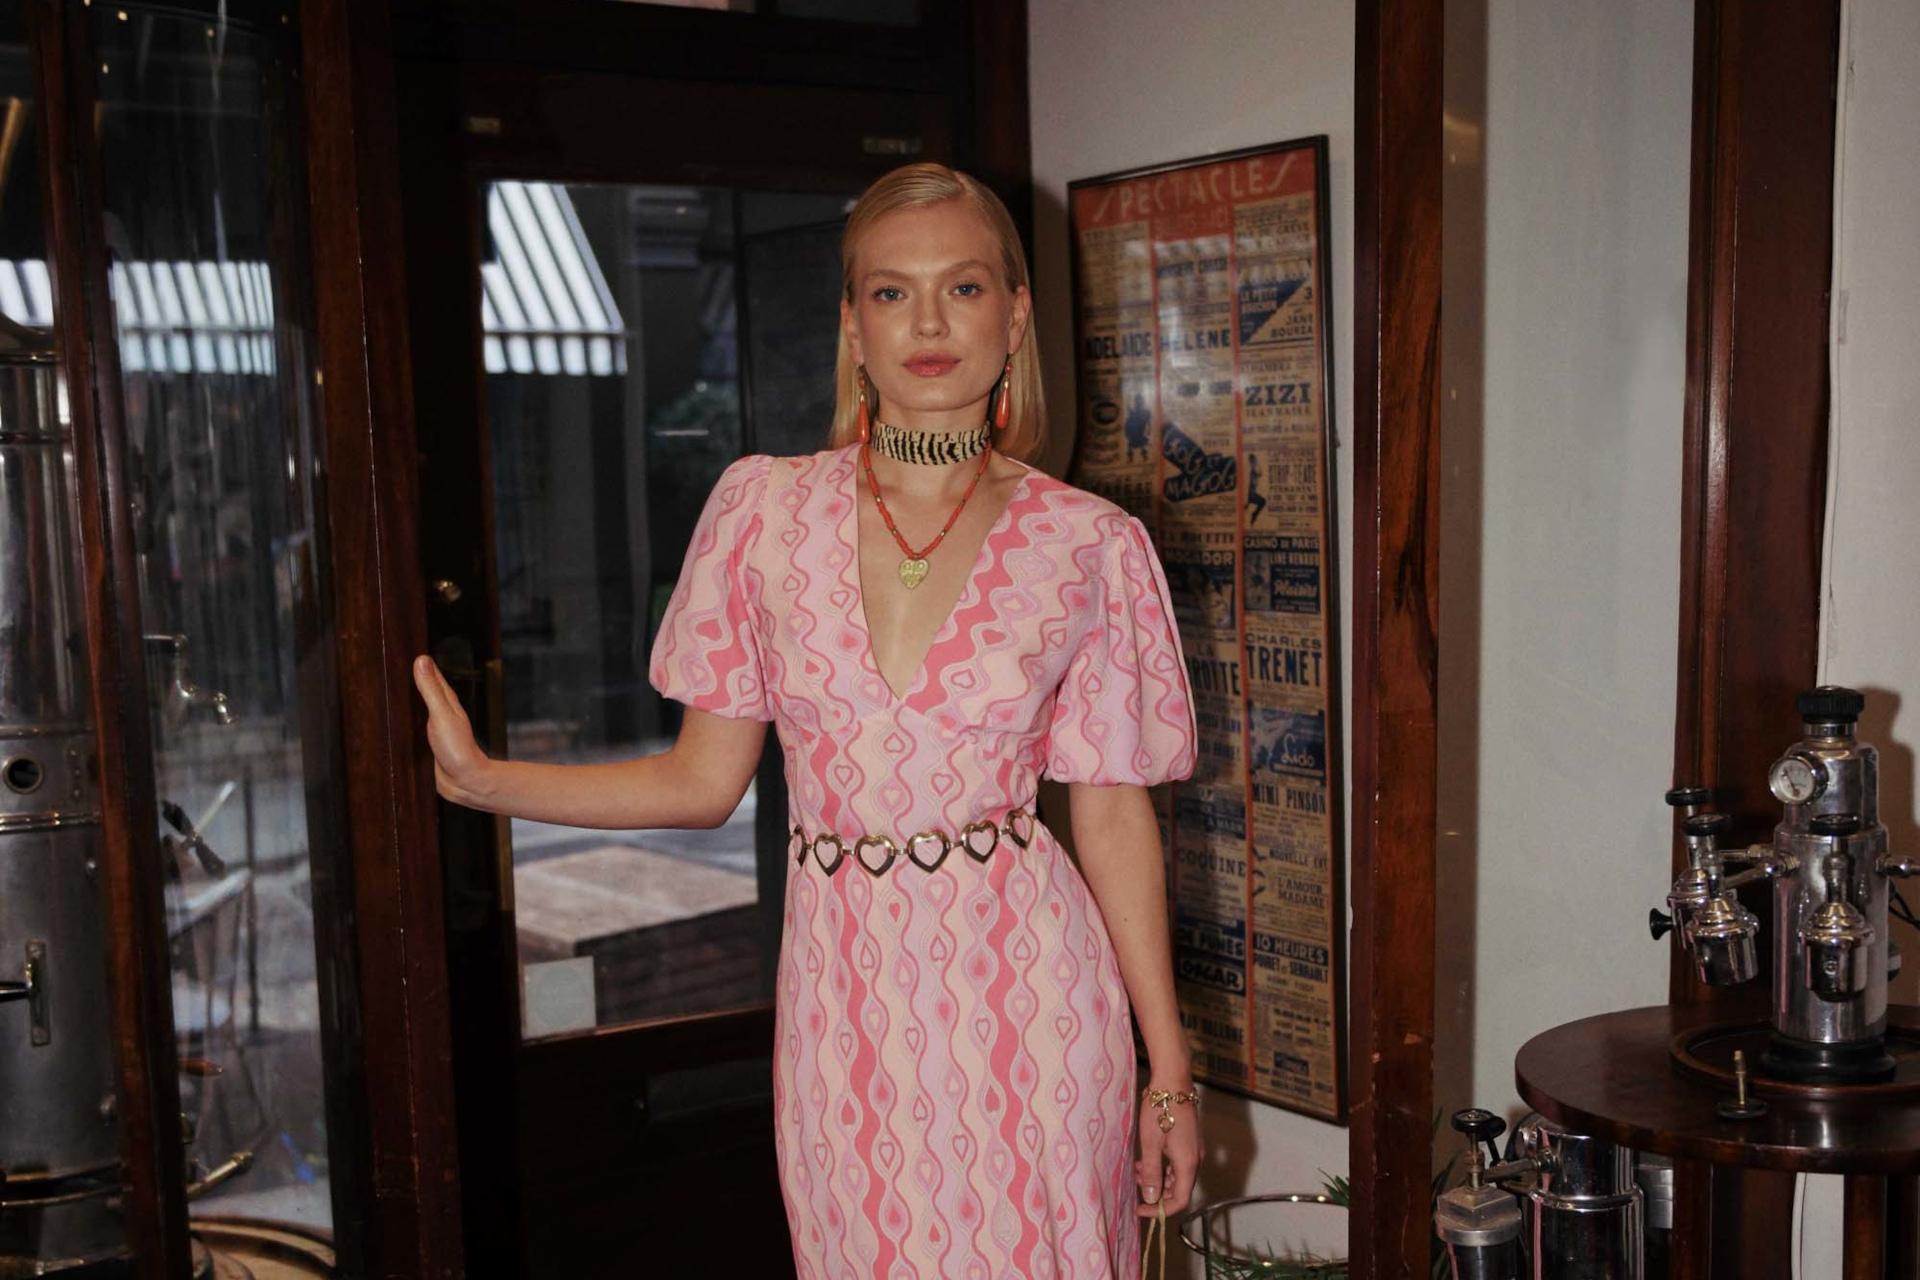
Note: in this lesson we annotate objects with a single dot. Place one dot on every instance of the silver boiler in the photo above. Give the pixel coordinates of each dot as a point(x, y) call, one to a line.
point(58, 1133)
point(1560, 1206)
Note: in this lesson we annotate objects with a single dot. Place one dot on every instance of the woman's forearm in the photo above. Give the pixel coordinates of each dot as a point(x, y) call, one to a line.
point(1118, 841)
point(646, 793)
point(697, 782)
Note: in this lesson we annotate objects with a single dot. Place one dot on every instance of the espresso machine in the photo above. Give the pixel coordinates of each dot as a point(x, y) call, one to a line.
point(1565, 1206)
point(1831, 876)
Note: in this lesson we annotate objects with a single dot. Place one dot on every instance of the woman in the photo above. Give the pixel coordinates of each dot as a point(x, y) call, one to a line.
point(932, 625)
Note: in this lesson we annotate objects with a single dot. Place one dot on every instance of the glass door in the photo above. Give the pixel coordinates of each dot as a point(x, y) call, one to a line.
point(626, 342)
point(617, 390)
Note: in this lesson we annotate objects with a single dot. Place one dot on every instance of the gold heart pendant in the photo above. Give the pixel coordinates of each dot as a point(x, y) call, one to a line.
point(913, 572)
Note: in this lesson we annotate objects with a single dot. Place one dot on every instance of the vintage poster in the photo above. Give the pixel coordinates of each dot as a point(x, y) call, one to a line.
point(1204, 381)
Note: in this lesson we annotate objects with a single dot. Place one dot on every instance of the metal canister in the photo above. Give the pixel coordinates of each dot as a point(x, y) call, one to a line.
point(1585, 1214)
point(58, 1135)
point(1655, 1175)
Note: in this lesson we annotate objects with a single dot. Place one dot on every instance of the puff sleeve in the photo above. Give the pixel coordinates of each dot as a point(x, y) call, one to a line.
point(707, 653)
point(1124, 713)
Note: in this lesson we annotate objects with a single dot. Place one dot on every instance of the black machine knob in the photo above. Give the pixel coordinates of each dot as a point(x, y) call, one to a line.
point(1688, 797)
point(1708, 824)
point(1659, 923)
point(1478, 1124)
point(1835, 824)
point(1830, 704)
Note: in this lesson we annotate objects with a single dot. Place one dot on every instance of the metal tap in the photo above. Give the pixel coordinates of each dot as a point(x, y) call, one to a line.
point(184, 696)
point(1837, 939)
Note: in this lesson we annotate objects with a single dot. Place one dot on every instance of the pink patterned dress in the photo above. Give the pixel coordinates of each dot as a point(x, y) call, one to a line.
point(954, 1077)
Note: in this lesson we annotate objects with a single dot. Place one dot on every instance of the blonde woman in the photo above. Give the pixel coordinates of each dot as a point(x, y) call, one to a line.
point(932, 625)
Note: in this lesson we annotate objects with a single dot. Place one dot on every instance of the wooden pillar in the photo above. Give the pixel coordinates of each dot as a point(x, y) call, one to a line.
point(1397, 170)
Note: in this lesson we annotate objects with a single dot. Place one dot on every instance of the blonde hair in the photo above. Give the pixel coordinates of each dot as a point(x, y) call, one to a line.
point(915, 186)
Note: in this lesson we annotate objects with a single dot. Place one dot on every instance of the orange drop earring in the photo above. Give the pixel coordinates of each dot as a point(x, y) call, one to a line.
point(1004, 409)
point(860, 380)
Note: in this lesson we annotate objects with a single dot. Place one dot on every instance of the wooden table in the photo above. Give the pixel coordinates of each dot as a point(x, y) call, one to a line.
point(1614, 1077)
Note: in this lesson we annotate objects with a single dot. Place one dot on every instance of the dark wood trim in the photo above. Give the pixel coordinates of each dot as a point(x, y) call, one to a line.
point(564, 37)
point(1754, 458)
point(412, 1227)
point(997, 144)
point(1863, 1228)
point(444, 228)
point(139, 976)
point(1396, 643)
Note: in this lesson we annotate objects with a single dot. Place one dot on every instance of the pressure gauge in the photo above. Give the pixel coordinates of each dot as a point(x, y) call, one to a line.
point(1797, 779)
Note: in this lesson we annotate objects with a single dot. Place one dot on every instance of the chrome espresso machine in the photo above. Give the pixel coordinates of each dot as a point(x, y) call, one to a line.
point(1564, 1206)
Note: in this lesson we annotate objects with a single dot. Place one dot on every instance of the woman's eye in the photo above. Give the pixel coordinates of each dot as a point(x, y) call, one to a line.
point(967, 290)
point(886, 293)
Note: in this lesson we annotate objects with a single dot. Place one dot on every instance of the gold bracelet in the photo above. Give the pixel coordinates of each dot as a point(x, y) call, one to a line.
point(1165, 1098)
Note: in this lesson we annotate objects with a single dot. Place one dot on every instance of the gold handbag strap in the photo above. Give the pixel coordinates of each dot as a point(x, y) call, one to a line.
point(1156, 1232)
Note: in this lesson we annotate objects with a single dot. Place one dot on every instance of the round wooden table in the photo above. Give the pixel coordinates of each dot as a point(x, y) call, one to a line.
point(1615, 1077)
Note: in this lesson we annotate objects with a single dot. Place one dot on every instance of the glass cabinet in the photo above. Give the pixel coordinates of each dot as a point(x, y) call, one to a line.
point(183, 1044)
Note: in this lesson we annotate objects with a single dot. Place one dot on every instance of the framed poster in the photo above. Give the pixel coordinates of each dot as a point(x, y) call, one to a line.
point(1204, 378)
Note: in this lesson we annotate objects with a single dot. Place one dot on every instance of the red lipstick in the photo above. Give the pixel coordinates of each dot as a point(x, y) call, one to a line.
point(930, 364)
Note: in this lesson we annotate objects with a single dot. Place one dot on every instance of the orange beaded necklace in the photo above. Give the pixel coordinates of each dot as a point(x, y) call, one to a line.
point(913, 567)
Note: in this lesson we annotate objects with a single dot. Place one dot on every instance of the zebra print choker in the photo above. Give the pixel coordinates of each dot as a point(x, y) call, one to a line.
point(905, 445)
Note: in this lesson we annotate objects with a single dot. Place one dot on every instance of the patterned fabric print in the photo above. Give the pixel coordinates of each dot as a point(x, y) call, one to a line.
point(954, 1079)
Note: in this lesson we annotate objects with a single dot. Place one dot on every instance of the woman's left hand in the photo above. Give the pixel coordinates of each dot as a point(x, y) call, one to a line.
point(1169, 1161)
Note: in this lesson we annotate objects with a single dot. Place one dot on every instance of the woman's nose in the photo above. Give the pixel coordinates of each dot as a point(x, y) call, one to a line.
point(929, 320)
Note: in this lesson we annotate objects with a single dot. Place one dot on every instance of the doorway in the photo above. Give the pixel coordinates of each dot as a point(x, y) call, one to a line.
point(599, 324)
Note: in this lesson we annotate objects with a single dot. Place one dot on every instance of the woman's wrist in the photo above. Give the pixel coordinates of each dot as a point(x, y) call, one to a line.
point(1170, 1068)
point(479, 783)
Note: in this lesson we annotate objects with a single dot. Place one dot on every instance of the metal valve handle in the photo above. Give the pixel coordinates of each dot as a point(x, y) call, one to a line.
point(32, 988)
point(1659, 923)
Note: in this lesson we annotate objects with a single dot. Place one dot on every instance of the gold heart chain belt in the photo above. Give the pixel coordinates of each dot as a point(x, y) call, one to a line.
point(925, 849)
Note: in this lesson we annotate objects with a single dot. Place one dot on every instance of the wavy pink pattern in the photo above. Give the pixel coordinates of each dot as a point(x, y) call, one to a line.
point(953, 1066)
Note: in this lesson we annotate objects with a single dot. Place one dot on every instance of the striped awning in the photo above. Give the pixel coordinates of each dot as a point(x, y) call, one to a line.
point(545, 304)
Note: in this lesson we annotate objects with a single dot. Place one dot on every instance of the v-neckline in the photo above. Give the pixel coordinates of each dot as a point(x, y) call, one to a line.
point(897, 698)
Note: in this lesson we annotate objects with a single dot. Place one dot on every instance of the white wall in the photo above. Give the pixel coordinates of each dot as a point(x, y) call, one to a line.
point(1871, 620)
point(1567, 133)
point(1124, 83)
point(1564, 349)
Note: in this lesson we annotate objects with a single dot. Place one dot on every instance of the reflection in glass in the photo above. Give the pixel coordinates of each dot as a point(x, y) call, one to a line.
point(615, 349)
point(205, 236)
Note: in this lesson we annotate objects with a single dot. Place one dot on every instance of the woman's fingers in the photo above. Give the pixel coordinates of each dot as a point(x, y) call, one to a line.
point(1149, 1170)
point(1182, 1164)
point(449, 733)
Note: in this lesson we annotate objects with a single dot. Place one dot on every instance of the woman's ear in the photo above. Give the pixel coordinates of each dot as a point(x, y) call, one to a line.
point(850, 325)
point(1021, 316)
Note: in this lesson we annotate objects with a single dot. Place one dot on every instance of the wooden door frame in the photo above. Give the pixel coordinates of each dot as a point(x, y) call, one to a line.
point(396, 1203)
point(1753, 492)
point(138, 975)
point(1396, 639)
point(397, 1089)
point(484, 82)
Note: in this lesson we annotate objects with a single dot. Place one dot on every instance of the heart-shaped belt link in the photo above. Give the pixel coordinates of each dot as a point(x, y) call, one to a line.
point(924, 849)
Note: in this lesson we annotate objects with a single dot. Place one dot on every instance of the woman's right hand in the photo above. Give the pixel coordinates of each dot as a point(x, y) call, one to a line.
point(459, 765)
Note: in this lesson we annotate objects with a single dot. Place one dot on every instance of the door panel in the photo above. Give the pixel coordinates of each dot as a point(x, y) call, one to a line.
point(611, 336)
